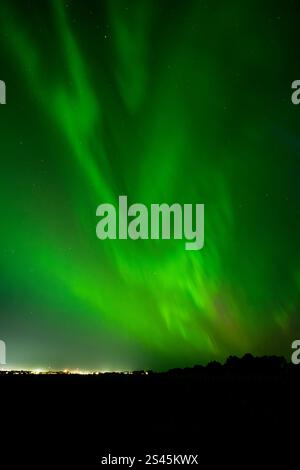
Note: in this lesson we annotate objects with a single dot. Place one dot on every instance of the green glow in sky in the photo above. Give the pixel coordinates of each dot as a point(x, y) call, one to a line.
point(171, 101)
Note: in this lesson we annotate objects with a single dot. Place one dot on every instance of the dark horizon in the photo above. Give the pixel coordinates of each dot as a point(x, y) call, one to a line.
point(246, 362)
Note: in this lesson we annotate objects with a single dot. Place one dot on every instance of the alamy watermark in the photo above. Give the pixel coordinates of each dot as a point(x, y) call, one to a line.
point(296, 354)
point(2, 92)
point(161, 221)
point(2, 353)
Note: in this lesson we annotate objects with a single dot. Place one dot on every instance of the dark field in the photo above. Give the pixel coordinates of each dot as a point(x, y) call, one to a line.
point(245, 411)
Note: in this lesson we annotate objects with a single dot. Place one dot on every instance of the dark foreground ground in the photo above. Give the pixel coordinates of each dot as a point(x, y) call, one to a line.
point(246, 413)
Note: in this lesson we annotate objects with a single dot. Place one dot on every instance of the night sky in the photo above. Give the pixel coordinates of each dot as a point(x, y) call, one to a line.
point(163, 101)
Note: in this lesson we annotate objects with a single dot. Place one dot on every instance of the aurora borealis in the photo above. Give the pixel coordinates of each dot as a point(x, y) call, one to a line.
point(163, 101)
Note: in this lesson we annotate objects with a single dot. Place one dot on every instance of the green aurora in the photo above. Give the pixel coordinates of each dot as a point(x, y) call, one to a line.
point(163, 101)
